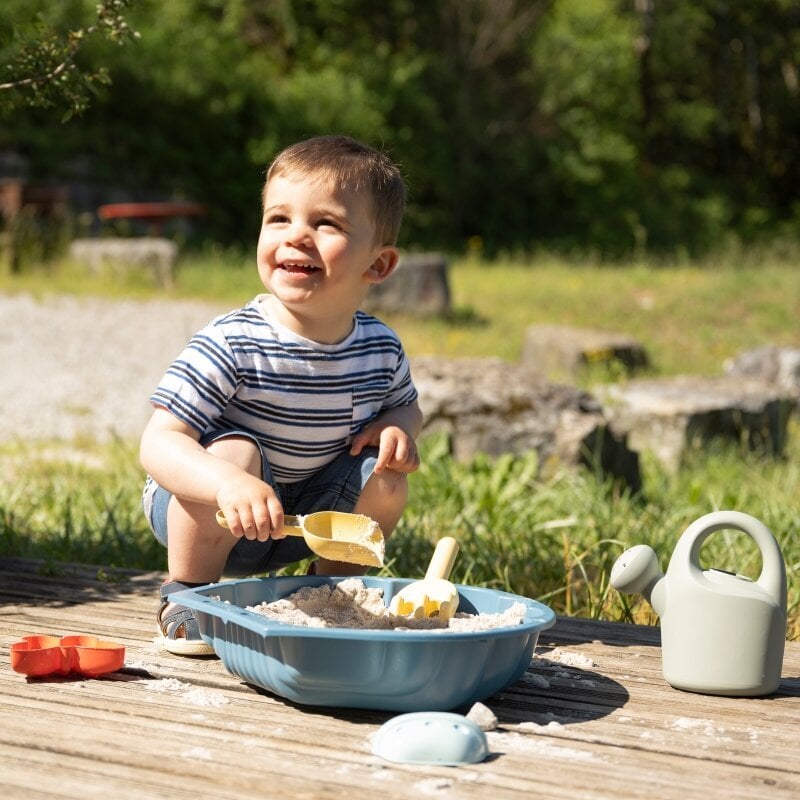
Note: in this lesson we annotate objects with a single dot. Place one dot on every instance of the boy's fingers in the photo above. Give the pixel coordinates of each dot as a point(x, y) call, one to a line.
point(357, 444)
point(263, 524)
point(246, 525)
point(251, 521)
point(402, 451)
point(411, 460)
point(385, 454)
point(238, 521)
point(276, 517)
point(405, 456)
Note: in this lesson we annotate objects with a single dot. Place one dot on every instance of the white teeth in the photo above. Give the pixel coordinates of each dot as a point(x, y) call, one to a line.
point(288, 265)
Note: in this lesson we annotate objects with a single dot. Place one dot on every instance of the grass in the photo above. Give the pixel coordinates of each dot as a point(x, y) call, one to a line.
point(689, 319)
point(75, 502)
point(553, 539)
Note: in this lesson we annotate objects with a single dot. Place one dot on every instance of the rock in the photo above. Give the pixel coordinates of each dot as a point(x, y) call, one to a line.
point(667, 416)
point(562, 350)
point(778, 366)
point(121, 255)
point(483, 717)
point(419, 286)
point(487, 405)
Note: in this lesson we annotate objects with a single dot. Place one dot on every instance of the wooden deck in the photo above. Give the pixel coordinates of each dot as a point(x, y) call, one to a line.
point(592, 718)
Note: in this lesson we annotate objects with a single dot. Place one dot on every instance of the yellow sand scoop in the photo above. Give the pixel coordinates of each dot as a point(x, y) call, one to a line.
point(336, 536)
point(434, 595)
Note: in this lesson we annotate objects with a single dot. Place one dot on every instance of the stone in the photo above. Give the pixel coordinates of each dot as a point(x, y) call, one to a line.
point(419, 286)
point(778, 366)
point(121, 255)
point(560, 350)
point(483, 717)
point(668, 416)
point(491, 406)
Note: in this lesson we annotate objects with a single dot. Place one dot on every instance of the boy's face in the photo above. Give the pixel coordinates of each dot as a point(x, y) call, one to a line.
point(316, 252)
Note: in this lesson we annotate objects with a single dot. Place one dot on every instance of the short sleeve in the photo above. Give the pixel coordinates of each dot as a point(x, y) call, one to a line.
point(200, 381)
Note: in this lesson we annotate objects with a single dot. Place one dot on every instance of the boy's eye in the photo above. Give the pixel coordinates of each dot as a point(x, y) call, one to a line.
point(276, 219)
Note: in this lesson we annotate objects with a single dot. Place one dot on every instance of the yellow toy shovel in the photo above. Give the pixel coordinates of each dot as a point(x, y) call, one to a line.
point(336, 535)
point(434, 595)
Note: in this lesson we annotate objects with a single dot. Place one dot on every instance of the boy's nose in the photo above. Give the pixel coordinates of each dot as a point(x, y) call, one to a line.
point(298, 233)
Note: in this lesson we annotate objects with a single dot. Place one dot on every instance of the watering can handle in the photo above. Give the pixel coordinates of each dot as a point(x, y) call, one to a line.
point(773, 571)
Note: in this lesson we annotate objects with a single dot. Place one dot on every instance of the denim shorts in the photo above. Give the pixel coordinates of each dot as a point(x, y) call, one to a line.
point(336, 487)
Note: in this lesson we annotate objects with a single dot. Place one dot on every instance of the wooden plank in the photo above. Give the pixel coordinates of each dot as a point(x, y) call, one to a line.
point(591, 718)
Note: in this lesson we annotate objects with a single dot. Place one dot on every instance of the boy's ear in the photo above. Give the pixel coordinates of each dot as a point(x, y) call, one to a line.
point(383, 265)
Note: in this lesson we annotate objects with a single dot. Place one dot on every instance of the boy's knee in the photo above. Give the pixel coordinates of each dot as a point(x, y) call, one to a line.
point(390, 485)
point(239, 450)
point(384, 499)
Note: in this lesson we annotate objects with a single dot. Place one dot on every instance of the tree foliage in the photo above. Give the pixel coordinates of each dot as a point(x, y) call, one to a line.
point(602, 125)
point(43, 69)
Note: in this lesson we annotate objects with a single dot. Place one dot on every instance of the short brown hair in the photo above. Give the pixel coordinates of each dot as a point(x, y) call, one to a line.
point(354, 166)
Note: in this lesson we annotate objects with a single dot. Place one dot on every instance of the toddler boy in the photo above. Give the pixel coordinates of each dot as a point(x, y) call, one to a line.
point(297, 402)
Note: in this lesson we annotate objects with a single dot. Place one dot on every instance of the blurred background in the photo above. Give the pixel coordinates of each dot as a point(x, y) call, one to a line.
point(610, 127)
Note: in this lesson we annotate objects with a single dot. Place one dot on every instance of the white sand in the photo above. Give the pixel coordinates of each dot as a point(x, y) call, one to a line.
point(350, 604)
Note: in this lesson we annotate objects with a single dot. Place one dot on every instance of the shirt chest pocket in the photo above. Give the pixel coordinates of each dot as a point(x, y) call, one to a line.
point(368, 399)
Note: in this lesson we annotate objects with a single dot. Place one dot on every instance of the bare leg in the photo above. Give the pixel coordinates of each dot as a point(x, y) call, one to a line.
point(383, 499)
point(198, 546)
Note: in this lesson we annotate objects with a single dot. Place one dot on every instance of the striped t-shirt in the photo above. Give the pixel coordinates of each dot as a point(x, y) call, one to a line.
point(302, 400)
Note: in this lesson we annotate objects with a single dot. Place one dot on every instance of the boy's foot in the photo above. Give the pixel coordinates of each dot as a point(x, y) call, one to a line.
point(178, 629)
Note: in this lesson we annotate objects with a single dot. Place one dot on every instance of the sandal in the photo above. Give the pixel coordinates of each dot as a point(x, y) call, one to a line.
point(178, 629)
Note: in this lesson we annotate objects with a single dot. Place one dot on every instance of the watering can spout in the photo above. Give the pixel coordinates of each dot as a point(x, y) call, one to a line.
point(636, 571)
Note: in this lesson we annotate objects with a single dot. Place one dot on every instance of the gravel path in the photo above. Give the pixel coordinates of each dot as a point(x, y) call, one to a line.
point(74, 367)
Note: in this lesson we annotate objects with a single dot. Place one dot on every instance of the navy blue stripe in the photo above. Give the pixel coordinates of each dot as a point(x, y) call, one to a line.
point(187, 414)
point(308, 418)
point(208, 390)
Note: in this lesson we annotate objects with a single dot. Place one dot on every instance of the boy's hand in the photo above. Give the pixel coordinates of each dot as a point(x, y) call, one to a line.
point(251, 508)
point(396, 449)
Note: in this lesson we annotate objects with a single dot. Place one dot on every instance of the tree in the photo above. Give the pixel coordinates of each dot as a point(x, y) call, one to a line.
point(44, 72)
point(600, 125)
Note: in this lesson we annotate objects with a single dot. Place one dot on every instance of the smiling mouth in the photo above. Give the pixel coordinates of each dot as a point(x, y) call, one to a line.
point(298, 269)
